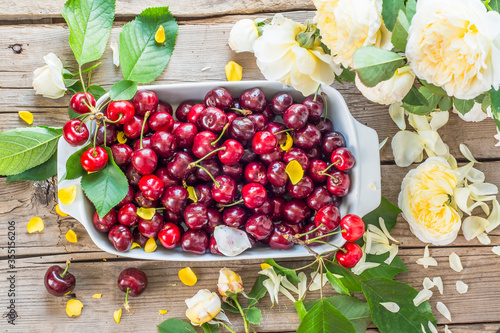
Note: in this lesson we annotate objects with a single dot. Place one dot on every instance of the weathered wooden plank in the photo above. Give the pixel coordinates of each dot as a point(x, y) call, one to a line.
point(20, 10)
point(165, 291)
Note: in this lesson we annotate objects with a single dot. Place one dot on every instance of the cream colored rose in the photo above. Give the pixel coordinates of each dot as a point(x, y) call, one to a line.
point(347, 25)
point(48, 80)
point(425, 200)
point(242, 36)
point(203, 307)
point(281, 58)
point(389, 91)
point(455, 44)
point(230, 282)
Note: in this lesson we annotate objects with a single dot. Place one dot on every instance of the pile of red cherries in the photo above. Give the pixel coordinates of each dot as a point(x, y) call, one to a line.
point(232, 153)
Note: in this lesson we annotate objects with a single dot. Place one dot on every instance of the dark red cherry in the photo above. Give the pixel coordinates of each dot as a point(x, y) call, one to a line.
point(254, 195)
point(297, 154)
point(351, 257)
point(166, 178)
point(59, 281)
point(276, 174)
point(268, 113)
point(121, 154)
point(277, 203)
point(164, 107)
point(132, 128)
point(295, 116)
point(213, 246)
point(279, 240)
point(150, 228)
point(297, 228)
point(315, 171)
point(248, 156)
point(234, 216)
point(192, 180)
point(121, 111)
point(354, 227)
point(194, 114)
point(179, 167)
point(314, 153)
point(144, 202)
point(204, 195)
point(259, 121)
point(184, 135)
point(295, 211)
point(302, 189)
point(121, 238)
point(127, 215)
point(241, 129)
point(175, 199)
point(75, 132)
point(182, 110)
point(195, 216)
point(105, 223)
point(146, 143)
point(145, 101)
point(212, 166)
point(132, 281)
point(219, 97)
point(163, 144)
point(213, 119)
point(317, 233)
point(331, 141)
point(329, 217)
point(275, 155)
point(324, 126)
point(234, 171)
point(280, 102)
point(94, 159)
point(133, 175)
point(202, 144)
point(343, 159)
point(319, 198)
point(168, 216)
point(259, 226)
point(338, 183)
point(144, 160)
point(152, 187)
point(315, 106)
point(224, 189)
point(276, 128)
point(264, 142)
point(139, 238)
point(266, 208)
point(161, 121)
point(80, 103)
point(194, 241)
point(170, 235)
point(233, 152)
point(255, 172)
point(307, 137)
point(214, 220)
point(111, 134)
point(128, 197)
point(253, 99)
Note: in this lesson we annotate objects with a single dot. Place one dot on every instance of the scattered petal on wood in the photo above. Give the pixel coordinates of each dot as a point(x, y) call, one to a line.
point(462, 287)
point(455, 262)
point(467, 153)
point(496, 250)
point(60, 212)
point(71, 236)
point(443, 310)
point(117, 315)
point(422, 296)
point(438, 282)
point(446, 329)
point(35, 224)
point(26, 116)
point(97, 296)
point(187, 276)
point(67, 195)
point(150, 245)
point(74, 308)
point(432, 328)
point(428, 284)
point(162, 312)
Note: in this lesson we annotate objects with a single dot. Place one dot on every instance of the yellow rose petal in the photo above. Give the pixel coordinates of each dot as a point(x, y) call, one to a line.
point(104, 259)
point(35, 225)
point(67, 195)
point(97, 296)
point(162, 312)
point(121, 137)
point(74, 308)
point(288, 143)
point(150, 245)
point(294, 171)
point(264, 266)
point(146, 213)
point(71, 236)
point(192, 193)
point(160, 35)
point(60, 212)
point(117, 315)
point(26, 116)
point(135, 246)
point(234, 72)
point(187, 276)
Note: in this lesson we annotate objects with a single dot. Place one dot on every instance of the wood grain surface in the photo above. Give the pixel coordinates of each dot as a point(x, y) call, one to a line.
point(202, 42)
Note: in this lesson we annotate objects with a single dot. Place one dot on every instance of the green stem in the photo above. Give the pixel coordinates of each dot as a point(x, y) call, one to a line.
point(345, 269)
point(316, 93)
point(309, 232)
point(95, 133)
point(144, 125)
point(326, 104)
point(306, 266)
point(323, 172)
point(117, 120)
point(208, 172)
point(316, 240)
point(283, 131)
point(86, 70)
point(321, 264)
point(104, 126)
point(66, 269)
point(244, 112)
point(81, 80)
point(221, 134)
point(227, 327)
point(233, 204)
point(209, 154)
point(127, 307)
point(245, 321)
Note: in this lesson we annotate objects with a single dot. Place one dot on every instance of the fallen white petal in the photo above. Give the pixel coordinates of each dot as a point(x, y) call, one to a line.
point(116, 53)
point(455, 262)
point(273, 294)
point(475, 176)
point(432, 327)
point(464, 170)
point(205, 68)
point(443, 310)
point(484, 189)
point(462, 287)
point(382, 144)
point(422, 296)
point(428, 284)
point(438, 282)
point(406, 148)
point(484, 239)
point(392, 254)
point(426, 262)
point(390, 306)
point(439, 119)
point(446, 329)
point(287, 294)
point(494, 217)
point(426, 252)
point(302, 286)
point(318, 282)
point(288, 285)
point(384, 229)
point(467, 153)
point(397, 113)
point(496, 250)
point(472, 226)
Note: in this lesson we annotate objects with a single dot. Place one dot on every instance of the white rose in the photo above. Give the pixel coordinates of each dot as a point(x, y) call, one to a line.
point(425, 201)
point(347, 25)
point(476, 114)
point(281, 58)
point(203, 307)
point(48, 80)
point(454, 44)
point(389, 91)
point(242, 36)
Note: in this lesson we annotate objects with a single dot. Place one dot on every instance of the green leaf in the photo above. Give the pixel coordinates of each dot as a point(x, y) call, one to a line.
point(432, 101)
point(301, 310)
point(400, 32)
point(347, 75)
point(24, 148)
point(89, 23)
point(411, 9)
point(494, 99)
point(107, 187)
point(253, 315)
point(141, 58)
point(96, 91)
point(445, 103)
point(495, 5)
point(414, 97)
point(230, 308)
point(76, 88)
point(463, 106)
point(486, 103)
point(337, 284)
point(408, 319)
point(434, 89)
point(175, 325)
point(358, 312)
point(352, 283)
point(375, 65)
point(123, 90)
point(74, 167)
point(258, 291)
point(290, 274)
point(385, 210)
point(324, 318)
point(43, 171)
point(390, 10)
point(383, 270)
point(210, 328)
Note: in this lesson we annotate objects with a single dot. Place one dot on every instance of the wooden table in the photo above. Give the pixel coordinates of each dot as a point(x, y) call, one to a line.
point(30, 29)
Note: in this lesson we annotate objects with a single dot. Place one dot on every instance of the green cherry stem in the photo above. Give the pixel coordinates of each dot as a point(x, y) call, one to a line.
point(66, 269)
point(221, 134)
point(309, 232)
point(144, 125)
point(323, 172)
point(245, 321)
point(117, 120)
point(283, 131)
point(95, 133)
point(316, 93)
point(208, 172)
point(316, 240)
point(243, 112)
point(127, 307)
point(233, 204)
point(326, 104)
point(335, 179)
point(209, 154)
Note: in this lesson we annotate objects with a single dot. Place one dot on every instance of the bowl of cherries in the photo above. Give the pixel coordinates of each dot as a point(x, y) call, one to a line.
point(254, 156)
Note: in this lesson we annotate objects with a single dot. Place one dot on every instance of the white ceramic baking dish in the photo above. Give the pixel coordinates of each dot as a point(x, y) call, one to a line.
point(363, 141)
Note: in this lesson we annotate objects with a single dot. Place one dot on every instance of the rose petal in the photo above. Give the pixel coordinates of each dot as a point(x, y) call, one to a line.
point(302, 286)
point(390, 306)
point(60, 212)
point(392, 254)
point(234, 71)
point(494, 217)
point(287, 294)
point(187, 276)
point(432, 328)
point(294, 171)
point(484, 239)
point(71, 236)
point(428, 284)
point(97, 296)
point(26, 116)
point(162, 312)
point(67, 195)
point(116, 53)
point(406, 148)
point(117, 315)
point(446, 330)
point(397, 114)
point(484, 189)
point(467, 153)
point(439, 119)
point(462, 287)
point(475, 176)
point(382, 144)
point(472, 226)
point(74, 308)
point(35, 224)
point(455, 262)
point(438, 282)
point(146, 213)
point(496, 250)
point(384, 229)
point(231, 241)
point(150, 245)
point(461, 195)
point(443, 310)
point(422, 296)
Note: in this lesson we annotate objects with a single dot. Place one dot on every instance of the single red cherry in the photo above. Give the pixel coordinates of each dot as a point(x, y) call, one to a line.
point(194, 241)
point(163, 144)
point(184, 135)
point(276, 173)
point(295, 116)
point(264, 142)
point(175, 199)
point(279, 238)
point(161, 121)
point(144, 160)
point(139, 238)
point(58, 281)
point(133, 282)
point(307, 137)
point(219, 97)
point(94, 159)
point(193, 116)
point(210, 168)
point(121, 154)
point(127, 215)
point(145, 101)
point(338, 183)
point(354, 227)
point(151, 186)
point(213, 119)
point(164, 107)
point(196, 216)
point(121, 111)
point(234, 216)
point(166, 178)
point(315, 105)
point(343, 159)
point(296, 211)
point(202, 144)
point(121, 238)
point(351, 257)
point(299, 155)
point(254, 195)
point(75, 132)
point(266, 208)
point(324, 125)
point(132, 128)
point(332, 141)
point(224, 189)
point(319, 198)
point(80, 103)
point(182, 110)
point(302, 189)
point(170, 235)
point(150, 228)
point(280, 102)
point(214, 220)
point(105, 223)
point(255, 172)
point(232, 153)
point(144, 202)
point(179, 167)
point(259, 226)
point(315, 171)
point(253, 99)
point(329, 217)
point(234, 171)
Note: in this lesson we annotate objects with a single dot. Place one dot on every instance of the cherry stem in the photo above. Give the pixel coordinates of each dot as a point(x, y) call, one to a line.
point(105, 130)
point(309, 232)
point(84, 115)
point(208, 172)
point(335, 179)
point(244, 112)
point(115, 121)
point(326, 104)
point(296, 240)
point(220, 136)
point(127, 307)
point(316, 93)
point(66, 269)
point(323, 172)
point(95, 134)
point(144, 125)
point(83, 83)
point(306, 266)
point(245, 321)
point(283, 131)
point(208, 155)
point(317, 240)
point(233, 204)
